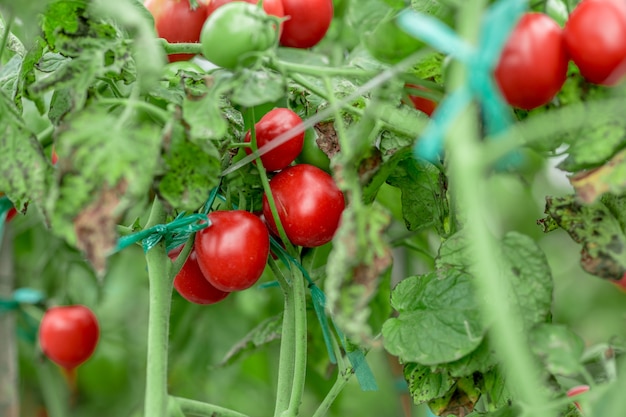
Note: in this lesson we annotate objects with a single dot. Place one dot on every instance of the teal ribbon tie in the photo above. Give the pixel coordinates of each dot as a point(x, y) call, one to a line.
point(499, 21)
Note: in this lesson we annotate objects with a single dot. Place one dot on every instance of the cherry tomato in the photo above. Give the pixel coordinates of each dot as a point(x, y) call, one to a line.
point(191, 284)
point(271, 7)
point(177, 23)
point(422, 103)
point(273, 124)
point(68, 335)
point(307, 22)
point(595, 37)
point(233, 250)
point(234, 32)
point(533, 64)
point(309, 205)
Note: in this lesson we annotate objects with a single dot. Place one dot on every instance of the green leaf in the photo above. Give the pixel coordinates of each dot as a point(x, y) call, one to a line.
point(424, 202)
point(596, 229)
point(608, 178)
point(439, 319)
point(595, 146)
point(264, 333)
point(425, 385)
point(107, 167)
point(251, 88)
point(25, 171)
point(559, 348)
point(529, 273)
point(191, 171)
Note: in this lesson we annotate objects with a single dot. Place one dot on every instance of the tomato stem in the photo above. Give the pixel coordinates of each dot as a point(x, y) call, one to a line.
point(467, 163)
point(181, 48)
point(158, 321)
point(202, 409)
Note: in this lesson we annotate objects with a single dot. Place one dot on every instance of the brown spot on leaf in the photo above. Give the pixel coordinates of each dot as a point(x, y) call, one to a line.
point(95, 226)
point(327, 139)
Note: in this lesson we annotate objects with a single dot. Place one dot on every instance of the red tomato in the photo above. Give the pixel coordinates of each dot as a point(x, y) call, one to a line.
point(177, 23)
point(68, 335)
point(232, 251)
point(307, 22)
point(309, 205)
point(191, 283)
point(421, 103)
point(273, 124)
point(533, 64)
point(595, 37)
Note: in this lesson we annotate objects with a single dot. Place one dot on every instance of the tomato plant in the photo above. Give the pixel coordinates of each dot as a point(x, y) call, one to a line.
point(235, 32)
point(191, 283)
point(533, 64)
point(307, 22)
point(233, 250)
point(68, 335)
point(599, 50)
point(176, 22)
point(271, 125)
point(309, 205)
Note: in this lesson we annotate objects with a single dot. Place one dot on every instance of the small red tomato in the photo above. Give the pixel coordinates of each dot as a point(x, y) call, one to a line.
point(177, 23)
point(68, 335)
point(233, 250)
point(307, 22)
point(595, 36)
point(309, 205)
point(191, 284)
point(533, 64)
point(421, 103)
point(273, 124)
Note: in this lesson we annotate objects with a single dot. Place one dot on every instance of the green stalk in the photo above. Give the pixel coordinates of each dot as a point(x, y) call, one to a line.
point(181, 48)
point(158, 322)
point(338, 386)
point(468, 171)
point(300, 348)
point(202, 409)
point(286, 363)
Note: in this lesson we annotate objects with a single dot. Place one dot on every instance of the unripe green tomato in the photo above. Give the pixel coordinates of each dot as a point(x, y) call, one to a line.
point(390, 44)
point(235, 32)
point(311, 153)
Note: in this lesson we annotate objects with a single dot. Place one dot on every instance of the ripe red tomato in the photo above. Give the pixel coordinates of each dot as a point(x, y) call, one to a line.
point(309, 205)
point(273, 124)
point(177, 23)
point(68, 335)
point(233, 250)
point(533, 64)
point(307, 23)
point(421, 103)
point(192, 284)
point(595, 37)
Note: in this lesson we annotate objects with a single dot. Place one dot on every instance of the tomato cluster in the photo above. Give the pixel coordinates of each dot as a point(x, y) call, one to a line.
point(231, 253)
point(533, 64)
point(230, 31)
point(68, 335)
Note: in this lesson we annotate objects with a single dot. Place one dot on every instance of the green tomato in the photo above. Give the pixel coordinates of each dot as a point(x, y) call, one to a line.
point(311, 153)
point(235, 32)
point(390, 44)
